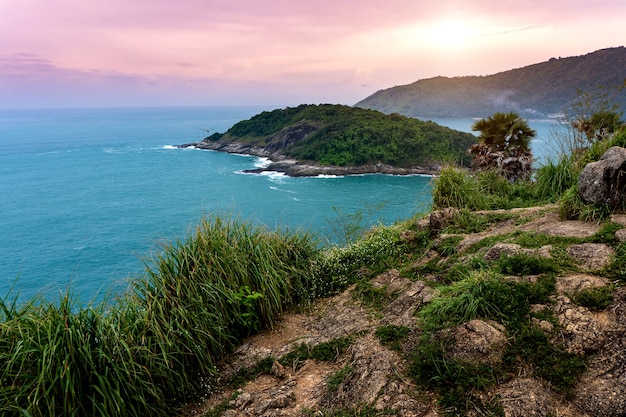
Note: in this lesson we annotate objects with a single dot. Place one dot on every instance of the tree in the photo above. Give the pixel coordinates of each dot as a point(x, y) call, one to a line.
point(503, 144)
point(591, 117)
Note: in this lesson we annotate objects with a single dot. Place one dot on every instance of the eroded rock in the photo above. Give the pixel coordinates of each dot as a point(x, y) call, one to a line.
point(580, 331)
point(572, 284)
point(510, 249)
point(524, 397)
point(591, 256)
point(477, 341)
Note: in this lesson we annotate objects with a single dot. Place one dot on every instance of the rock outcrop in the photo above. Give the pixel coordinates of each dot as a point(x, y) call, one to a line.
point(604, 181)
point(375, 375)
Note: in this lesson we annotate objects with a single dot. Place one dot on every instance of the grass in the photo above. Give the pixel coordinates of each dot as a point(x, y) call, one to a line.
point(157, 345)
point(325, 351)
point(523, 265)
point(392, 336)
point(336, 379)
point(595, 299)
point(373, 297)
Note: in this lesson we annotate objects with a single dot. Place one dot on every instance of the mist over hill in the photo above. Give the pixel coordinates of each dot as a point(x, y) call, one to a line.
point(533, 91)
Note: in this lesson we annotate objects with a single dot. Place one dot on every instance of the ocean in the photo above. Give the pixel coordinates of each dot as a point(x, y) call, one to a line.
point(88, 195)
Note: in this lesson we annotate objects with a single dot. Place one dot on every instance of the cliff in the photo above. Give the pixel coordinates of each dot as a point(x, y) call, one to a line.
point(542, 334)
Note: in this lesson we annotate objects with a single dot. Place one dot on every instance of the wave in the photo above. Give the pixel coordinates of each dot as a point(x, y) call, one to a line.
point(111, 150)
point(328, 176)
point(262, 162)
point(282, 190)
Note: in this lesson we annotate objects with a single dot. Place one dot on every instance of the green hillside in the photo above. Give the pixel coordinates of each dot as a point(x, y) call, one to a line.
point(533, 91)
point(347, 136)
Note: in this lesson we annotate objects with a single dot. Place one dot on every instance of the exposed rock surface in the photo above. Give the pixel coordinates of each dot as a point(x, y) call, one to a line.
point(370, 373)
point(580, 331)
point(478, 341)
point(592, 256)
point(500, 249)
point(603, 181)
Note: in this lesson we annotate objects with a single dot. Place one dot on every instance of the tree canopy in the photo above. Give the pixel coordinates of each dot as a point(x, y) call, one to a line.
point(504, 144)
point(349, 136)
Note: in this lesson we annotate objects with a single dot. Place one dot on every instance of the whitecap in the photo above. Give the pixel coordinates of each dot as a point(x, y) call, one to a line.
point(171, 147)
point(111, 150)
point(262, 162)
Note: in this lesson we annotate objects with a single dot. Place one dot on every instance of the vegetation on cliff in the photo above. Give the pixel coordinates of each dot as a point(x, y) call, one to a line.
point(533, 91)
point(347, 136)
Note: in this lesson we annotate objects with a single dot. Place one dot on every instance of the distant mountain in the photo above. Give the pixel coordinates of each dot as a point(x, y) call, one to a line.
point(533, 91)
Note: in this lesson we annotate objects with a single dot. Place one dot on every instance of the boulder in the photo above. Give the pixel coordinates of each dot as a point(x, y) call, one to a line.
point(603, 181)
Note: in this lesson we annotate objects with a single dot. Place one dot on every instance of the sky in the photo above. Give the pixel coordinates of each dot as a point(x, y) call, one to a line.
point(102, 53)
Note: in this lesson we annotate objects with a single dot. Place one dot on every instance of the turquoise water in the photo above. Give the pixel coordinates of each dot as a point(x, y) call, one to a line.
point(86, 195)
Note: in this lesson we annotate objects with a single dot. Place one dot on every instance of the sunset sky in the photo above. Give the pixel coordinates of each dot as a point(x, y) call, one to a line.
point(69, 53)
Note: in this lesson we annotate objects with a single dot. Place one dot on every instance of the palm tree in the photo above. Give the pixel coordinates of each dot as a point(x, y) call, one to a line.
point(503, 144)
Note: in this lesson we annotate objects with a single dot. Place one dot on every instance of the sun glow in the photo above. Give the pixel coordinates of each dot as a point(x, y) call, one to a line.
point(451, 33)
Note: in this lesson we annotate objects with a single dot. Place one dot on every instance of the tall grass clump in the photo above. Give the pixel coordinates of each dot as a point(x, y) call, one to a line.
point(63, 359)
point(455, 187)
point(552, 180)
point(156, 345)
point(482, 190)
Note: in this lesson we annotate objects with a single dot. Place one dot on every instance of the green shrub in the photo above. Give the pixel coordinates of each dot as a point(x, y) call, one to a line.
point(335, 268)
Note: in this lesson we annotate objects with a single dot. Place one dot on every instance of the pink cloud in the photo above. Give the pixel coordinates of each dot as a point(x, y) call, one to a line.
point(283, 48)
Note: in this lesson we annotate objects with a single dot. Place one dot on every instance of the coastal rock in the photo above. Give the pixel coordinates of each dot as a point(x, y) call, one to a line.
point(603, 181)
point(293, 168)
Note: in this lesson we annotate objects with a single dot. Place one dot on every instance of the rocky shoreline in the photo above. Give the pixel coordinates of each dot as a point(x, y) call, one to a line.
point(294, 168)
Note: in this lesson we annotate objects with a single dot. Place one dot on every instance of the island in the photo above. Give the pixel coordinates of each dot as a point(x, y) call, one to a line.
point(332, 139)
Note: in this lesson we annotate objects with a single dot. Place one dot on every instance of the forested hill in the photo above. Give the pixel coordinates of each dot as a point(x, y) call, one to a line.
point(532, 91)
point(343, 136)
